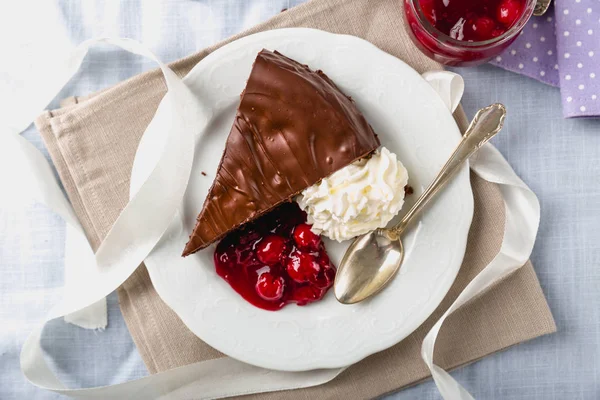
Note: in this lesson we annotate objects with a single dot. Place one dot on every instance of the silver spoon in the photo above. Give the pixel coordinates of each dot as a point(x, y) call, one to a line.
point(541, 6)
point(373, 259)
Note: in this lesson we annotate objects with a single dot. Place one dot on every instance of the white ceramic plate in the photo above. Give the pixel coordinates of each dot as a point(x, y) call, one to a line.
point(412, 121)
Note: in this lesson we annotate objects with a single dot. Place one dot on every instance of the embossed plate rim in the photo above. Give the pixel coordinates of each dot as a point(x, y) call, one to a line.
point(328, 336)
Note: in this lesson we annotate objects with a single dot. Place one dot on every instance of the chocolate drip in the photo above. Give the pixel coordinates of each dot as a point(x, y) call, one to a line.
point(293, 128)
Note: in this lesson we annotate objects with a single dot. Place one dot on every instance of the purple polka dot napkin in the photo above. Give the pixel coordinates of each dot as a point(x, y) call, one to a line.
point(562, 48)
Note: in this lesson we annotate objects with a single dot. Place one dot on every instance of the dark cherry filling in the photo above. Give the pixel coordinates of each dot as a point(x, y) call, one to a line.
point(472, 20)
point(276, 260)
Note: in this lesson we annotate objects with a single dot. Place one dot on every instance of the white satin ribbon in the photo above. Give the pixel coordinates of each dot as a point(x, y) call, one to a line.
point(130, 240)
point(136, 232)
point(521, 225)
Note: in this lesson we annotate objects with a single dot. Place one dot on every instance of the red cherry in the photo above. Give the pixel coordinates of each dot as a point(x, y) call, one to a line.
point(327, 274)
point(497, 32)
point(330, 274)
point(483, 27)
point(325, 278)
point(305, 238)
point(307, 294)
point(508, 12)
point(271, 249)
point(302, 267)
point(269, 287)
point(324, 259)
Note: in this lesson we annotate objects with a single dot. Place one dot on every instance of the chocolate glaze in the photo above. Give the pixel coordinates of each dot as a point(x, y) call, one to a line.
point(293, 128)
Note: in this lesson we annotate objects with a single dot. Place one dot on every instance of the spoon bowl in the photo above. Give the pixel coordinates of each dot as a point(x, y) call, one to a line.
point(372, 260)
point(380, 244)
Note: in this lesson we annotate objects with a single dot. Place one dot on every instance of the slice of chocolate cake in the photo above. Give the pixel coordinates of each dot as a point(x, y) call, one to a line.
point(293, 127)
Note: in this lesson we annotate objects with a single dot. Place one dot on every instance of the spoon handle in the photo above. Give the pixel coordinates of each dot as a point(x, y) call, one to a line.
point(541, 6)
point(487, 122)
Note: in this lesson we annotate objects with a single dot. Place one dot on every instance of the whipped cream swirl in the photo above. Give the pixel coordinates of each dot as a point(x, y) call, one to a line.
point(358, 198)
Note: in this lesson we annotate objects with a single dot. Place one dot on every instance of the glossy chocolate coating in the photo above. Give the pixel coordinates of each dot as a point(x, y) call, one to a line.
point(293, 128)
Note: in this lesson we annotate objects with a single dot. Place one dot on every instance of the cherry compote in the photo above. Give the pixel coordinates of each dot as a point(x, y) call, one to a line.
point(276, 260)
point(465, 32)
point(472, 20)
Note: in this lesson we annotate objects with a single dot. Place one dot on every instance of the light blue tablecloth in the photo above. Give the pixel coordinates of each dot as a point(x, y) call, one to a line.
point(559, 159)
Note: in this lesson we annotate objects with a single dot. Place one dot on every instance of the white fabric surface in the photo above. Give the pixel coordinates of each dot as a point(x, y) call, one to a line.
point(25, 262)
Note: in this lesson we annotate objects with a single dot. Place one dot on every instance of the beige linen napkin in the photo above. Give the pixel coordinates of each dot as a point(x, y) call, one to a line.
point(92, 142)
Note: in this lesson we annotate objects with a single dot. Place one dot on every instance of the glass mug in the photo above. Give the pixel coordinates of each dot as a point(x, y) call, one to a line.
point(463, 45)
